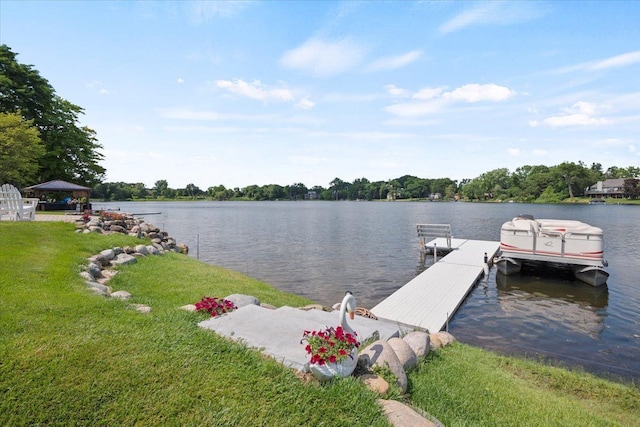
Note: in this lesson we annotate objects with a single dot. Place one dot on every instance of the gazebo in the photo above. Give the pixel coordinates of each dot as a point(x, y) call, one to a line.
point(59, 186)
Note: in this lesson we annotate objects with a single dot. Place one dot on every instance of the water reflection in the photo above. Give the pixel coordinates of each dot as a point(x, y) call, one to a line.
point(553, 300)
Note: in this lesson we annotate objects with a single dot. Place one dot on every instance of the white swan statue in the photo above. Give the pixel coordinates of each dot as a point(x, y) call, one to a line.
point(348, 305)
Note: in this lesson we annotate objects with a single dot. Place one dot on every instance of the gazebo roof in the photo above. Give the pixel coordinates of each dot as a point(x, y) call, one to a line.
point(57, 185)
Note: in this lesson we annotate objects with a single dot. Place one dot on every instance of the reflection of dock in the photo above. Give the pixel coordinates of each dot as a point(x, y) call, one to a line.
point(430, 299)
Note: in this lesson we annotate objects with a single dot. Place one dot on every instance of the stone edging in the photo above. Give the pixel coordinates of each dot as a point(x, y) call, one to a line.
point(100, 268)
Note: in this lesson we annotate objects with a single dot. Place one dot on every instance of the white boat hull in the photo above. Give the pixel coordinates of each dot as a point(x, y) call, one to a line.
point(573, 243)
point(508, 266)
point(593, 275)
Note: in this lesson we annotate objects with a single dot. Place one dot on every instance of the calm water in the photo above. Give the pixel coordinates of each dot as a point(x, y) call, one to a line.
point(320, 249)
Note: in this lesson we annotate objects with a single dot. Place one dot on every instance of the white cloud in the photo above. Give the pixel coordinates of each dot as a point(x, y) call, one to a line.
point(393, 90)
point(577, 119)
point(322, 58)
point(180, 80)
point(428, 93)
point(395, 62)
point(617, 61)
point(581, 113)
point(255, 90)
point(513, 152)
point(583, 107)
point(305, 104)
point(493, 13)
point(476, 93)
point(540, 153)
point(433, 100)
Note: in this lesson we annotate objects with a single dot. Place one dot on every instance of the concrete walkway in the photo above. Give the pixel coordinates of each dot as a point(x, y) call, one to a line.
point(277, 333)
point(65, 218)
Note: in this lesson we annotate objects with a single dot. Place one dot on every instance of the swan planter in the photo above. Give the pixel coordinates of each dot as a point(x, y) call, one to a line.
point(334, 351)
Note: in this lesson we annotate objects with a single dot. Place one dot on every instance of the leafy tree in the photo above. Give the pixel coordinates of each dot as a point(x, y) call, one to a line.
point(573, 174)
point(632, 188)
point(550, 195)
point(72, 152)
point(20, 150)
point(161, 188)
point(337, 189)
point(192, 190)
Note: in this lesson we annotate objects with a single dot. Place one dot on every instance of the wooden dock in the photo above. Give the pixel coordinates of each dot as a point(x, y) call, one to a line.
point(430, 299)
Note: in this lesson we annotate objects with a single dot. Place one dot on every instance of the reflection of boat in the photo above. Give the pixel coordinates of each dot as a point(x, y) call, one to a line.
point(569, 242)
point(540, 297)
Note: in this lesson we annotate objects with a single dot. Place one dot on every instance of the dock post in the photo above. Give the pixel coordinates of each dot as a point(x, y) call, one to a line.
point(486, 265)
point(435, 253)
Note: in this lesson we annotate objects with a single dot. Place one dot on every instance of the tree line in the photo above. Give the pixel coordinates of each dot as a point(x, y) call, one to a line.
point(538, 184)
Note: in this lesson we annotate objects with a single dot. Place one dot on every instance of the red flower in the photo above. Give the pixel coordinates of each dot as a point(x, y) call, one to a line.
point(215, 306)
point(330, 345)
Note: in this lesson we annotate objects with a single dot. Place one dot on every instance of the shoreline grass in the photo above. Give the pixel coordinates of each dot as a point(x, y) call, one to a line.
point(68, 357)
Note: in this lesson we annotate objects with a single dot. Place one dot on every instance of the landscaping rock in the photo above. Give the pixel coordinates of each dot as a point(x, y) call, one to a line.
point(419, 342)
point(88, 277)
point(404, 352)
point(152, 250)
point(141, 249)
point(241, 300)
point(141, 308)
point(445, 338)
point(99, 288)
point(121, 295)
point(400, 415)
point(109, 254)
point(375, 383)
point(189, 307)
point(434, 342)
point(118, 229)
point(381, 354)
point(312, 307)
point(124, 259)
point(94, 270)
point(100, 260)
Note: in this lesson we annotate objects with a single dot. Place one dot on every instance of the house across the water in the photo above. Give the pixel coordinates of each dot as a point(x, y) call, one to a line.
point(609, 188)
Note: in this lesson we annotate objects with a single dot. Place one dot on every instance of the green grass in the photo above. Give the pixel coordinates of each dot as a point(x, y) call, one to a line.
point(69, 357)
point(493, 390)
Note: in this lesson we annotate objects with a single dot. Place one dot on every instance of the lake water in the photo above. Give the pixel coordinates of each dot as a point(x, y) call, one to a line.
point(321, 249)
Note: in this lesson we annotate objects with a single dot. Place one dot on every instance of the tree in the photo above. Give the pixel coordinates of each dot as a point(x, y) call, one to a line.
point(192, 190)
point(160, 188)
point(72, 151)
point(570, 172)
point(20, 150)
point(632, 188)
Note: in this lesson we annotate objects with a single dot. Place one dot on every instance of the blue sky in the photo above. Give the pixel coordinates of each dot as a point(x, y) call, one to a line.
point(268, 92)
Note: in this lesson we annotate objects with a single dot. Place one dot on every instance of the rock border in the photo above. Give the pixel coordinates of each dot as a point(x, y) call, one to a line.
point(100, 268)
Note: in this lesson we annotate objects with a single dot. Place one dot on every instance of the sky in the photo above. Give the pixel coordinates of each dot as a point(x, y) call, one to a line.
point(240, 93)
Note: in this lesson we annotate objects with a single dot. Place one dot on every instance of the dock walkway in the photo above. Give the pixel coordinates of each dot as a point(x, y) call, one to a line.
point(430, 299)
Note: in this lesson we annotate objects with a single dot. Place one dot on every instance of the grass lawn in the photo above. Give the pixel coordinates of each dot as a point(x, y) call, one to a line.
point(69, 357)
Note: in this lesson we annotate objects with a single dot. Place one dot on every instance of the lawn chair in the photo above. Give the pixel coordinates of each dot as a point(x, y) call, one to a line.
point(14, 207)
